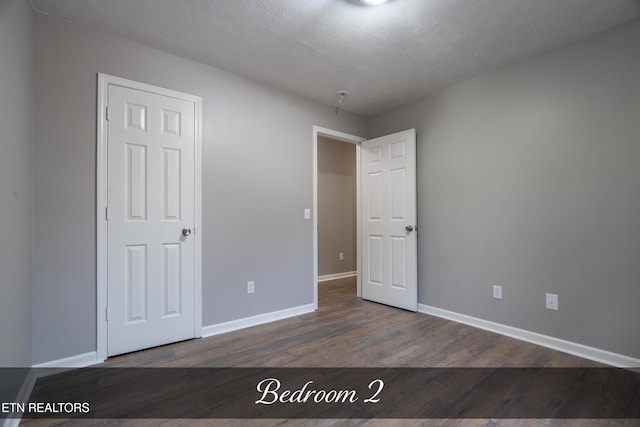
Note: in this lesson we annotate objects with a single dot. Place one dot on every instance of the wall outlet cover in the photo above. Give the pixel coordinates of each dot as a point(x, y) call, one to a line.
point(497, 291)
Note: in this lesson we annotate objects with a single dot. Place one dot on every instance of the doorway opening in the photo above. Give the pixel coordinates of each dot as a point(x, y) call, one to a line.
point(336, 198)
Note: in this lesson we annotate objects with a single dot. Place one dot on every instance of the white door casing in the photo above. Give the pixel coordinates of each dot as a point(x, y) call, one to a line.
point(351, 139)
point(151, 248)
point(389, 235)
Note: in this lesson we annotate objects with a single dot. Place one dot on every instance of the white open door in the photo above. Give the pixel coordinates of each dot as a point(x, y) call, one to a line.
point(151, 217)
point(389, 214)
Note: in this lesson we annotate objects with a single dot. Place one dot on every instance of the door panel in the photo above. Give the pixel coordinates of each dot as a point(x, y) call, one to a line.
point(375, 260)
point(136, 182)
point(388, 176)
point(375, 196)
point(136, 283)
point(171, 190)
point(151, 196)
point(398, 262)
point(171, 280)
point(398, 194)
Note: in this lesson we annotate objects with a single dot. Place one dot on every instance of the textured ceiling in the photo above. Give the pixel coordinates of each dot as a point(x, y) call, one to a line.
point(384, 56)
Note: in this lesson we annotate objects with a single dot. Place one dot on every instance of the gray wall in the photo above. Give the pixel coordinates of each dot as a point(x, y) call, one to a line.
point(257, 180)
point(336, 206)
point(529, 177)
point(16, 51)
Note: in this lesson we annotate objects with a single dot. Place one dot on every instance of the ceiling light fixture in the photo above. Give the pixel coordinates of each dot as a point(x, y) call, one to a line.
point(373, 2)
point(341, 94)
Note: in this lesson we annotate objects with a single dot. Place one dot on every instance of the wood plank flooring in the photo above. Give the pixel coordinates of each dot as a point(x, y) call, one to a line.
point(349, 332)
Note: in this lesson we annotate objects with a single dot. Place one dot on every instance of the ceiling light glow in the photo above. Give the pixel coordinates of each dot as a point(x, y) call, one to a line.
point(373, 2)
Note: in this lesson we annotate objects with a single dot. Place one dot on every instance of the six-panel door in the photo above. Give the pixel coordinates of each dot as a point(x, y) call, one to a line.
point(389, 246)
point(151, 196)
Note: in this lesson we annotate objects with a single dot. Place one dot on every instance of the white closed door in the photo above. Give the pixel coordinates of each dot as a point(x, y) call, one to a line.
point(389, 214)
point(151, 196)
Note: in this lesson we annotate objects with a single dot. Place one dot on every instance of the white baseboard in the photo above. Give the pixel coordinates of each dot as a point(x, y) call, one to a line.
point(22, 397)
point(45, 369)
point(12, 422)
point(71, 362)
point(336, 276)
point(580, 350)
point(234, 325)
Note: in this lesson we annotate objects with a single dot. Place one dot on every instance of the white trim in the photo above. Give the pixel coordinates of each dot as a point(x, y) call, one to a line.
point(358, 222)
point(104, 80)
point(13, 419)
point(580, 350)
point(49, 368)
point(101, 223)
point(260, 319)
point(77, 361)
point(197, 234)
point(12, 422)
point(336, 276)
point(352, 139)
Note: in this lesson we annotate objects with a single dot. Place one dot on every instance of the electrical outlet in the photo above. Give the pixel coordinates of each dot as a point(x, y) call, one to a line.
point(497, 292)
point(341, 256)
point(307, 213)
point(552, 301)
point(251, 287)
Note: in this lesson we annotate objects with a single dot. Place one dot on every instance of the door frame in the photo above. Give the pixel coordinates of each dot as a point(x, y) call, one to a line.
point(351, 139)
point(104, 80)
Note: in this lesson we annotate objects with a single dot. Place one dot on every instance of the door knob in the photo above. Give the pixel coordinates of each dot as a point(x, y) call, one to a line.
point(186, 232)
point(409, 228)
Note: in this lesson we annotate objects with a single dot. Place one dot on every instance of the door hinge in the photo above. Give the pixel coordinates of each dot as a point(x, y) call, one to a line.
point(106, 213)
point(106, 313)
point(107, 113)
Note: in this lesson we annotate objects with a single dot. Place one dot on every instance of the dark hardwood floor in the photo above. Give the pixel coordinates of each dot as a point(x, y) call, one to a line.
point(349, 332)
